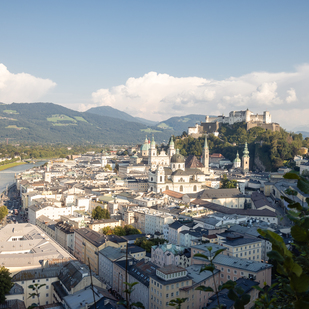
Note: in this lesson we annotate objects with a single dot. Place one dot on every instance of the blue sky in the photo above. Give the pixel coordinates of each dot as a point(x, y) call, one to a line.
point(84, 47)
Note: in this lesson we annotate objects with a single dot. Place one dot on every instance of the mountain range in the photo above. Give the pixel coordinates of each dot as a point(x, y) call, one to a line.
point(52, 123)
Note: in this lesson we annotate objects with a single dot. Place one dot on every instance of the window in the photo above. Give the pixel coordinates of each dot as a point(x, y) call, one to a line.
point(47, 287)
point(229, 277)
point(177, 293)
point(33, 281)
point(172, 294)
point(228, 270)
point(47, 279)
point(47, 294)
point(235, 272)
point(22, 282)
point(167, 295)
point(222, 275)
point(172, 286)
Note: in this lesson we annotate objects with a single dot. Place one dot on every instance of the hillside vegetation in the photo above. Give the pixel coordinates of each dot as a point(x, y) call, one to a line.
point(51, 123)
point(272, 148)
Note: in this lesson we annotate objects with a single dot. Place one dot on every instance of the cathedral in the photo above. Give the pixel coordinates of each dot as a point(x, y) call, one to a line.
point(170, 171)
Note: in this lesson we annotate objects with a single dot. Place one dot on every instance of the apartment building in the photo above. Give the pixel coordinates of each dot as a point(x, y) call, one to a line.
point(240, 246)
point(64, 235)
point(98, 225)
point(173, 282)
point(154, 222)
point(169, 254)
point(88, 243)
point(233, 268)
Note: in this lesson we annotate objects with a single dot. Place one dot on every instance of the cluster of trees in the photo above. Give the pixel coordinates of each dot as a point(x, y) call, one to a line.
point(228, 184)
point(121, 231)
point(3, 212)
point(273, 148)
point(100, 213)
point(35, 151)
point(5, 283)
point(146, 244)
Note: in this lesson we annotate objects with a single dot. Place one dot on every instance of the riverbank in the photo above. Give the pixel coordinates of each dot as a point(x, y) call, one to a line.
point(6, 166)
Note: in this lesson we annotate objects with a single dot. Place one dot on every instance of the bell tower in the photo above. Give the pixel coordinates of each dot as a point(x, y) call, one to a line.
point(205, 156)
point(245, 159)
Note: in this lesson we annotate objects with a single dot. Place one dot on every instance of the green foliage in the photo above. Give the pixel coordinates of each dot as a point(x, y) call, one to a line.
point(228, 184)
point(121, 231)
point(39, 119)
point(3, 212)
point(147, 244)
point(291, 175)
point(177, 302)
point(272, 148)
point(100, 213)
point(127, 303)
point(36, 288)
point(289, 191)
point(292, 265)
point(5, 283)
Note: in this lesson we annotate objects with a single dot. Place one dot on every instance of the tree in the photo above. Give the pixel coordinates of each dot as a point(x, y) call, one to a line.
point(130, 230)
point(108, 167)
point(228, 184)
point(177, 302)
point(35, 287)
point(100, 213)
point(5, 283)
point(107, 230)
point(3, 212)
point(130, 288)
point(119, 231)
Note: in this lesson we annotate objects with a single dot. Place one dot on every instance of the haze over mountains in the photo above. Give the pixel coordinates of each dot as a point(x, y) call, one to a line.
point(52, 123)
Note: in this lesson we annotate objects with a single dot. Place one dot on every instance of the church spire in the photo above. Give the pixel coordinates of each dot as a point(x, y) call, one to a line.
point(205, 143)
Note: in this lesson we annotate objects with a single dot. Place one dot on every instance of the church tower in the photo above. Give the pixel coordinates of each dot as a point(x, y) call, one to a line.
point(245, 159)
point(237, 161)
point(152, 152)
point(205, 156)
point(171, 149)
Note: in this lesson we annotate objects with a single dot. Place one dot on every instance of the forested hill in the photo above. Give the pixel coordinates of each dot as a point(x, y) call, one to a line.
point(51, 123)
point(272, 148)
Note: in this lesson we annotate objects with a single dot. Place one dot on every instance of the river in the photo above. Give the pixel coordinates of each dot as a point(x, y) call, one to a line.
point(7, 176)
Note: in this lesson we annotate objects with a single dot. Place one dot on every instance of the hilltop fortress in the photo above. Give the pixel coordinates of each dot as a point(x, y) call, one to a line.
point(212, 124)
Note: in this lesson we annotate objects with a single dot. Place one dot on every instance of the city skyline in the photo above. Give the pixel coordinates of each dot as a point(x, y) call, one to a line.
point(158, 60)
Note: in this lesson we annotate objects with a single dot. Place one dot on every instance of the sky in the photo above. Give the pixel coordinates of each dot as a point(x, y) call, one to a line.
point(159, 59)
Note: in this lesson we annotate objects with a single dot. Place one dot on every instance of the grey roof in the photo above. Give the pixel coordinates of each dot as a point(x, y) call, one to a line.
point(71, 274)
point(196, 275)
point(13, 304)
point(133, 237)
point(142, 270)
point(245, 264)
point(243, 212)
point(113, 253)
point(217, 193)
point(16, 289)
point(38, 273)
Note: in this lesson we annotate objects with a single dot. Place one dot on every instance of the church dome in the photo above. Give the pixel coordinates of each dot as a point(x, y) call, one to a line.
point(177, 158)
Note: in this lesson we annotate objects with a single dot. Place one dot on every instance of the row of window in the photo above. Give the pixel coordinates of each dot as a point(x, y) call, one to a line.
point(38, 280)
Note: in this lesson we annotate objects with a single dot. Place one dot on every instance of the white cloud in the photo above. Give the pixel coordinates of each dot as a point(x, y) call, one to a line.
point(291, 96)
point(22, 87)
point(160, 96)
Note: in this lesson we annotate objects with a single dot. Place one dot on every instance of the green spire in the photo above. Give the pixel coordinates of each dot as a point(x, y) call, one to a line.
point(246, 151)
point(172, 141)
point(237, 157)
point(205, 144)
point(153, 143)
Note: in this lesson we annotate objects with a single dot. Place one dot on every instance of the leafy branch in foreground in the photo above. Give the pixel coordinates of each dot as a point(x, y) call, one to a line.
point(129, 290)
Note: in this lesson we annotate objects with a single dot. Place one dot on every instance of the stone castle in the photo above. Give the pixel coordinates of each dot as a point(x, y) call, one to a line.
point(212, 124)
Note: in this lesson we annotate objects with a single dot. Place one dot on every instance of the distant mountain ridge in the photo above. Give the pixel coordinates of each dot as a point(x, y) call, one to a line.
point(116, 113)
point(304, 133)
point(51, 123)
